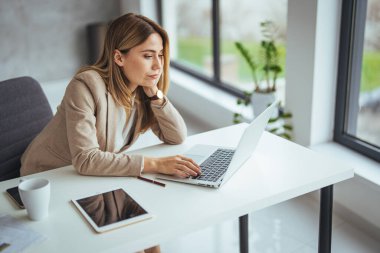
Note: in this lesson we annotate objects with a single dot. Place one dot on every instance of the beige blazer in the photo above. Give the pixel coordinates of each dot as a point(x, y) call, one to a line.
point(82, 133)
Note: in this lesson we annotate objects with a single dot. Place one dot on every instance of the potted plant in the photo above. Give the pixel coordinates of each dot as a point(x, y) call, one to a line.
point(265, 70)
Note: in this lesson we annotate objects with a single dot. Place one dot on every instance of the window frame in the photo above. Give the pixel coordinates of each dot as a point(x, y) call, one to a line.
point(215, 80)
point(353, 20)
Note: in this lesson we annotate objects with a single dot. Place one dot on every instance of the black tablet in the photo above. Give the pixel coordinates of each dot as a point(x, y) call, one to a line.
point(110, 210)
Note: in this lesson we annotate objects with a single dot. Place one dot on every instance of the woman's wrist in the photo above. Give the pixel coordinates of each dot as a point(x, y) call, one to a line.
point(150, 165)
point(158, 102)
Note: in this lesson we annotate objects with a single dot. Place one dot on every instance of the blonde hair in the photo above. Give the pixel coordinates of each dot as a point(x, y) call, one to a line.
point(124, 33)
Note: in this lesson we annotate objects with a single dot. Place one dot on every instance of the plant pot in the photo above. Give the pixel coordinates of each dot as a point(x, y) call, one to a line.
point(260, 101)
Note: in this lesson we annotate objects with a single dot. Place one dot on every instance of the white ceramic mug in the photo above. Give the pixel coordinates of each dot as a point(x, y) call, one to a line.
point(35, 194)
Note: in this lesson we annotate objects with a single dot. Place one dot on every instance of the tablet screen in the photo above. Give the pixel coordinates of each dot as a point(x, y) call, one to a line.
point(110, 207)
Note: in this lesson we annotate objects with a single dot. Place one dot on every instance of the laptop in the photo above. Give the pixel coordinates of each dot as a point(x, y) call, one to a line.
point(218, 164)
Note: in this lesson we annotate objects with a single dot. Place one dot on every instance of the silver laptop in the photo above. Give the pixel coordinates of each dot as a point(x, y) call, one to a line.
point(218, 164)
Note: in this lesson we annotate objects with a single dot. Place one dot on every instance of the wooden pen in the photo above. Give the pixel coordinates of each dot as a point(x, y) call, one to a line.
point(151, 181)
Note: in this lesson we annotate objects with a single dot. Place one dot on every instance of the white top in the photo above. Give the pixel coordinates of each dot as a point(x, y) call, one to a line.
point(124, 125)
point(123, 130)
point(277, 171)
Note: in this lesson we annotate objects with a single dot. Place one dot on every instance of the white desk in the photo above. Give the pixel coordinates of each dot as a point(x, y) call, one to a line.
point(279, 170)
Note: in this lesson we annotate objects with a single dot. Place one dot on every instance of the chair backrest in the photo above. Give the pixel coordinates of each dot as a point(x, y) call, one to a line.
point(24, 112)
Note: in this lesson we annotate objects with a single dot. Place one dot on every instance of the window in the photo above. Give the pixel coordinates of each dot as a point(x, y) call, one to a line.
point(203, 33)
point(190, 34)
point(357, 120)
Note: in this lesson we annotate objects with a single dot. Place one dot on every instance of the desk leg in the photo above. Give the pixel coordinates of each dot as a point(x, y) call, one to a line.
point(243, 233)
point(325, 220)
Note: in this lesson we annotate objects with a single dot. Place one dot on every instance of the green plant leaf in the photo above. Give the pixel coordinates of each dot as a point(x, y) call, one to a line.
point(247, 94)
point(286, 115)
point(249, 59)
point(272, 120)
point(246, 55)
point(285, 135)
point(273, 130)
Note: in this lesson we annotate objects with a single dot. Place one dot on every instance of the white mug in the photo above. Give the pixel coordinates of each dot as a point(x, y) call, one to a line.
point(35, 194)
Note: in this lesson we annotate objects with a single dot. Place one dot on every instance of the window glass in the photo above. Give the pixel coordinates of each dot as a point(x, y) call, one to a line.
point(189, 26)
point(364, 119)
point(241, 22)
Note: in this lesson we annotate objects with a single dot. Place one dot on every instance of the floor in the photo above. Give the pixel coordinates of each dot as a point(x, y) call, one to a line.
point(289, 227)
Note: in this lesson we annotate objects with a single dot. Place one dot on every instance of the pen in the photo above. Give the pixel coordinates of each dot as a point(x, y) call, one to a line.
point(151, 181)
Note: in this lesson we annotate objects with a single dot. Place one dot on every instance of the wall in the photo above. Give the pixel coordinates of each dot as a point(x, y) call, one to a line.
point(325, 70)
point(300, 51)
point(311, 67)
point(47, 39)
point(147, 7)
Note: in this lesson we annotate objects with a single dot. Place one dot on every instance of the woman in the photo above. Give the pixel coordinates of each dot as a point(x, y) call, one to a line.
point(108, 105)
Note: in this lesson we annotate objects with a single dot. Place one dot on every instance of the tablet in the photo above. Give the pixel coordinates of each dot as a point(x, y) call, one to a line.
point(111, 210)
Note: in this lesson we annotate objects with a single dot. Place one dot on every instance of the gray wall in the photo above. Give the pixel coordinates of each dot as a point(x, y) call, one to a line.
point(46, 39)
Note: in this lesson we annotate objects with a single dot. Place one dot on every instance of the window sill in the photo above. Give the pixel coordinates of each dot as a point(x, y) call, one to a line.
point(365, 168)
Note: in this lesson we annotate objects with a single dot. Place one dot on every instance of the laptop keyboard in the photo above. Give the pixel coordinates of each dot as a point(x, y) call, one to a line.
point(216, 165)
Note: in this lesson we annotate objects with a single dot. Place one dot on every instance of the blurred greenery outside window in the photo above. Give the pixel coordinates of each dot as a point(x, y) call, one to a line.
point(357, 115)
point(190, 28)
point(194, 39)
point(191, 32)
point(368, 116)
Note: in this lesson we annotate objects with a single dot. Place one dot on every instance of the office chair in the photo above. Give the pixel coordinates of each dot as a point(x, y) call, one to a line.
point(24, 112)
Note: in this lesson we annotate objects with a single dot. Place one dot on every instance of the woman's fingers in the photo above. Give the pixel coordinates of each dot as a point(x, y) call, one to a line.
point(187, 170)
point(191, 164)
point(190, 168)
point(180, 174)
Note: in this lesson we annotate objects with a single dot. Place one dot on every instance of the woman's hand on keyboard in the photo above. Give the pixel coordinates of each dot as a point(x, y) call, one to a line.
point(179, 166)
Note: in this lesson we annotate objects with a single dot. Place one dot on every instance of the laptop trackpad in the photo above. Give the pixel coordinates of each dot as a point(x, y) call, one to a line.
point(199, 153)
point(197, 158)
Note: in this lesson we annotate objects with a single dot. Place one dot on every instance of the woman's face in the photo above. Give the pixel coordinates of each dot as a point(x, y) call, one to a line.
point(143, 64)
